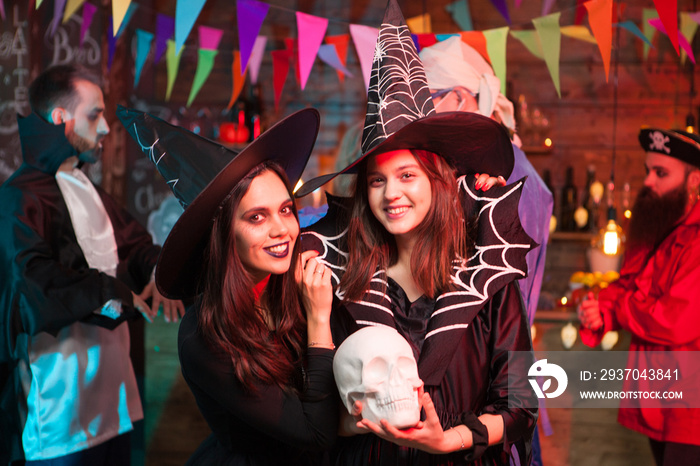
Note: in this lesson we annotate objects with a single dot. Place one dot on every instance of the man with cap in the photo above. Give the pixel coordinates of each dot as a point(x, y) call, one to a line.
point(656, 298)
point(71, 264)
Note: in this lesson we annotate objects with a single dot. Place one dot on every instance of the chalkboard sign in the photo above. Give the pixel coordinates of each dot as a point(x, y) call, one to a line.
point(14, 81)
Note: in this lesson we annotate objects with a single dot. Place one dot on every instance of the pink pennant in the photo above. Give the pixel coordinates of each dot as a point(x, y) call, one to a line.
point(682, 41)
point(209, 38)
point(2, 9)
point(365, 40)
point(311, 30)
point(695, 16)
point(89, 11)
point(256, 56)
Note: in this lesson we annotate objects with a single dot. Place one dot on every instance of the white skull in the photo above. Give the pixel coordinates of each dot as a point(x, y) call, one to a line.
point(375, 365)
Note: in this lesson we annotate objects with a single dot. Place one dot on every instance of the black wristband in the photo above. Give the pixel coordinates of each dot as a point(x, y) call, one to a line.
point(480, 436)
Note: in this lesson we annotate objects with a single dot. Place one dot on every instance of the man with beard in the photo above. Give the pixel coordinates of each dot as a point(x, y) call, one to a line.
point(657, 298)
point(71, 264)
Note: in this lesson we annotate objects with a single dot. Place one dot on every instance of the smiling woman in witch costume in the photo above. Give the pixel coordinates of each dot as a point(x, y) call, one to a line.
point(414, 259)
point(256, 347)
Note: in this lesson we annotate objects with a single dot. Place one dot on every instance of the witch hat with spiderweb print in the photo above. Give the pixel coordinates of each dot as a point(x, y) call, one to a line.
point(401, 114)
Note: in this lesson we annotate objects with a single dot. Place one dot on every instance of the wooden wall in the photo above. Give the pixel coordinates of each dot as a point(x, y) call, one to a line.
point(654, 92)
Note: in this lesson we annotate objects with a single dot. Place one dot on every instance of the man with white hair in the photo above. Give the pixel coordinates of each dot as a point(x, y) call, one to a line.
point(460, 79)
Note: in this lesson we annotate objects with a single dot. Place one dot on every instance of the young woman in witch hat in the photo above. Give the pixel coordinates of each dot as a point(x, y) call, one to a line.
point(406, 263)
point(256, 347)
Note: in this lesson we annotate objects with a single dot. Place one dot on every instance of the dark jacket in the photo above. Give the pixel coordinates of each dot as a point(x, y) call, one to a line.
point(45, 281)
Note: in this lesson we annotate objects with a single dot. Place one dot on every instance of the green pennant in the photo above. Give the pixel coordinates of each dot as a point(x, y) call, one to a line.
point(547, 28)
point(496, 47)
point(205, 64)
point(172, 60)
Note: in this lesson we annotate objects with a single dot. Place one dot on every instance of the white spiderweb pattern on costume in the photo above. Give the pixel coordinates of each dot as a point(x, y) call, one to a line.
point(150, 150)
point(398, 92)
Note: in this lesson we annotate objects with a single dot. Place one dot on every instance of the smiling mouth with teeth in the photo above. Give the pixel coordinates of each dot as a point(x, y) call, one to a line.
point(396, 210)
point(278, 250)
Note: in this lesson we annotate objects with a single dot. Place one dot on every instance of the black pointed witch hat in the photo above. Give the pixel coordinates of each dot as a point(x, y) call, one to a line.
point(401, 115)
point(201, 173)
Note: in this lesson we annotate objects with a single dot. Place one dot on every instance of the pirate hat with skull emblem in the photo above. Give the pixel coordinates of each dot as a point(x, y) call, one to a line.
point(401, 115)
point(674, 143)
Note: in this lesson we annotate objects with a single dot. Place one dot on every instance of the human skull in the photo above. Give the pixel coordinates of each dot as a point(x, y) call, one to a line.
point(375, 365)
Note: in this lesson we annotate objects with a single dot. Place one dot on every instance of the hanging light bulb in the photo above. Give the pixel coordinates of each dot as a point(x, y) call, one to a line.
point(690, 123)
point(612, 238)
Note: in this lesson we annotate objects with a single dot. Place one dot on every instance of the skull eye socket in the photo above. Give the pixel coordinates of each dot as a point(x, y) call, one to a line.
point(407, 367)
point(374, 373)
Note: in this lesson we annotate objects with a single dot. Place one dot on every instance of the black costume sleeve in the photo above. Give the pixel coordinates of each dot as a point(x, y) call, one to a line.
point(515, 401)
point(240, 419)
point(46, 281)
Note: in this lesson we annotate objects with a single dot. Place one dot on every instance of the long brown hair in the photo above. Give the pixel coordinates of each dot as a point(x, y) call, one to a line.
point(228, 318)
point(441, 236)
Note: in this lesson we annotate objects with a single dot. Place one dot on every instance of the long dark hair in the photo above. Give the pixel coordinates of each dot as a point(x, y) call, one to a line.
point(441, 236)
point(228, 318)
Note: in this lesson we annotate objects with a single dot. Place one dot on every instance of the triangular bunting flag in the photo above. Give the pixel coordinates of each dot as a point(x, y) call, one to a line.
point(459, 10)
point(238, 79)
point(329, 55)
point(256, 57)
point(205, 63)
point(280, 70)
point(365, 40)
point(310, 30)
point(634, 29)
point(2, 9)
point(681, 40)
point(340, 43)
point(547, 6)
point(89, 11)
point(688, 29)
point(496, 48)
point(250, 15)
point(71, 7)
point(547, 28)
point(38, 4)
point(426, 40)
point(477, 41)
point(172, 60)
point(165, 30)
point(420, 24)
point(648, 30)
point(57, 15)
point(111, 44)
point(119, 9)
point(580, 12)
point(600, 19)
point(441, 37)
point(209, 38)
point(502, 9)
point(668, 14)
point(143, 46)
point(291, 44)
point(186, 13)
point(579, 33)
point(694, 16)
point(531, 40)
point(127, 18)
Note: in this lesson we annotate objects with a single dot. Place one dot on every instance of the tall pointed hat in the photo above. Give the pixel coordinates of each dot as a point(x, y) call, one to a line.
point(201, 174)
point(401, 115)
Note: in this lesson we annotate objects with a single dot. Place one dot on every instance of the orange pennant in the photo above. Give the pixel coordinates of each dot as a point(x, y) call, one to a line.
point(238, 78)
point(600, 19)
point(340, 42)
point(477, 41)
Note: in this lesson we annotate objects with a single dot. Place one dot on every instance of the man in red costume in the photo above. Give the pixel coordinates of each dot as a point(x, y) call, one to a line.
point(657, 298)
